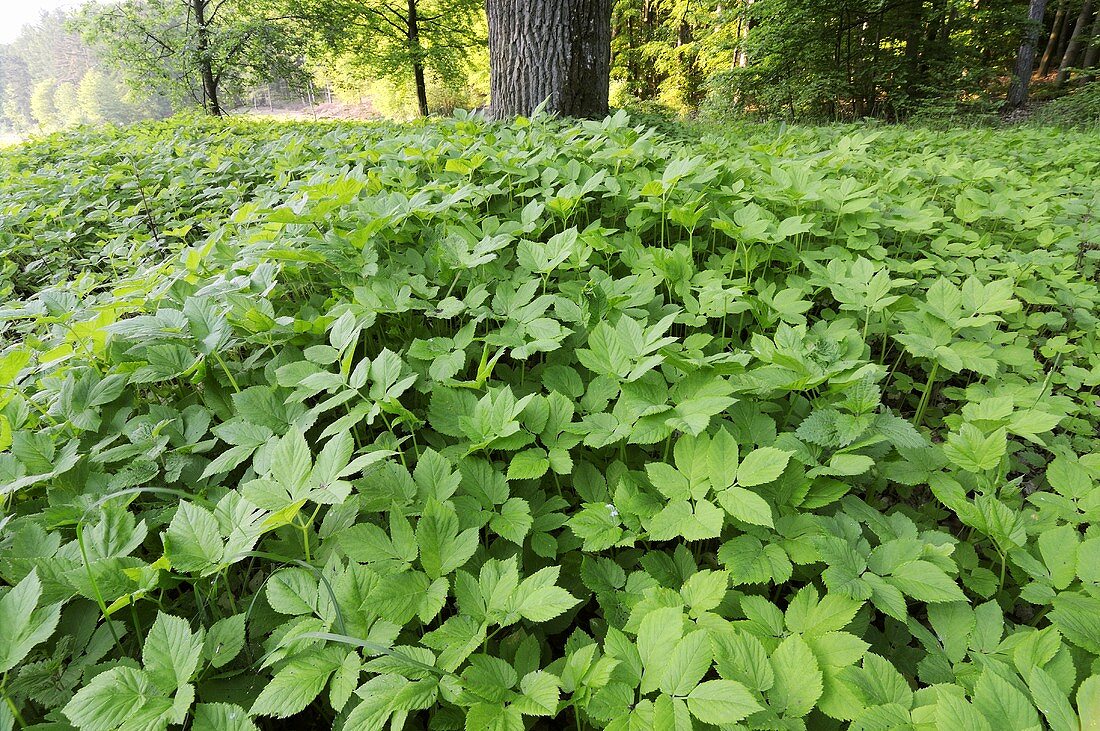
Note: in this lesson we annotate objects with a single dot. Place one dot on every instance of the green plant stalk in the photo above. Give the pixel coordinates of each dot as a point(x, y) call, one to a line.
point(95, 587)
point(225, 368)
point(926, 396)
point(11, 704)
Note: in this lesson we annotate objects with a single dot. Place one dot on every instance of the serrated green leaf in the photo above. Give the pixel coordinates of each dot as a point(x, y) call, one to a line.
point(721, 702)
point(297, 683)
point(798, 680)
point(925, 582)
point(762, 466)
point(25, 623)
point(528, 465)
point(222, 717)
point(224, 640)
point(513, 521)
point(171, 652)
point(746, 506)
point(192, 542)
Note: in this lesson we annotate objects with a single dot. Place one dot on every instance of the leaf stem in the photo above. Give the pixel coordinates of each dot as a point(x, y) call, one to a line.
point(225, 369)
point(11, 704)
point(926, 396)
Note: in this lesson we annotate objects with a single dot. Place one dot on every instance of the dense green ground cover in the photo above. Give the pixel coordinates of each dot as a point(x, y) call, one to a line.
point(502, 427)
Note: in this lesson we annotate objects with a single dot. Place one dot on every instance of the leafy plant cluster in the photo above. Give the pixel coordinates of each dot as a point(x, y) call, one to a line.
point(460, 425)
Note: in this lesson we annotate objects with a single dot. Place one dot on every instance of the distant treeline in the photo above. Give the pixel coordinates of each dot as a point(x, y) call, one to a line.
point(50, 78)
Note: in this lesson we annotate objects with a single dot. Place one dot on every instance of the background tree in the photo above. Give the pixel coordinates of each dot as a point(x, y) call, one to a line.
point(103, 98)
point(663, 50)
point(1053, 38)
point(557, 51)
point(15, 86)
point(197, 50)
point(822, 59)
point(1076, 45)
point(43, 107)
point(1025, 57)
point(66, 101)
point(396, 39)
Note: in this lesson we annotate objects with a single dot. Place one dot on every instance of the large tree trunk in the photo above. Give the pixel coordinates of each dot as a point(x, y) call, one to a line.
point(1025, 56)
point(417, 52)
point(1052, 40)
point(1074, 43)
point(206, 68)
point(557, 51)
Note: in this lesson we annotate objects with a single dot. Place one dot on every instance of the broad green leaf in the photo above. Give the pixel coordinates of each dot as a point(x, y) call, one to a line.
point(222, 717)
point(721, 702)
point(1001, 703)
point(171, 652)
point(192, 542)
point(121, 697)
point(975, 451)
point(1075, 617)
point(224, 640)
point(686, 665)
point(1051, 701)
point(925, 582)
point(25, 623)
point(513, 521)
point(704, 590)
point(297, 683)
point(952, 711)
point(1088, 703)
point(762, 466)
point(528, 465)
point(539, 694)
point(746, 506)
point(798, 680)
point(442, 548)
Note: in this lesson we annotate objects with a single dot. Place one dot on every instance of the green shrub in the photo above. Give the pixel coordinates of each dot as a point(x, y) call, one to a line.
point(1079, 108)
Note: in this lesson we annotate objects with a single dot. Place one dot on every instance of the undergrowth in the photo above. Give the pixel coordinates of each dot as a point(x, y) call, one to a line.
point(466, 425)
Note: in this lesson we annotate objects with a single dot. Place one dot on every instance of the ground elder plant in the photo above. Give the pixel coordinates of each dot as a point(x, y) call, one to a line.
point(460, 425)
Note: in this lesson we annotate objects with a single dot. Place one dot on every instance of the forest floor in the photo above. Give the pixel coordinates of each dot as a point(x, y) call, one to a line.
point(594, 423)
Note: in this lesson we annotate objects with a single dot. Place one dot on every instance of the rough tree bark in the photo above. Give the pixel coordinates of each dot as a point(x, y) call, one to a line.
point(206, 69)
point(1074, 43)
point(558, 51)
point(1052, 40)
point(413, 23)
point(1025, 56)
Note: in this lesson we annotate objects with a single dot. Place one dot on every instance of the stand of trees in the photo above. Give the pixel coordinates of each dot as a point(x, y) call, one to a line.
point(801, 59)
point(846, 59)
point(195, 51)
point(395, 39)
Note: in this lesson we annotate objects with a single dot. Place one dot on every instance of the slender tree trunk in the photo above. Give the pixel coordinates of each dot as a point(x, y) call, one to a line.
point(417, 52)
point(1025, 56)
point(557, 51)
point(206, 69)
point(1052, 40)
point(1063, 38)
point(1092, 55)
point(1074, 43)
point(692, 92)
point(914, 20)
